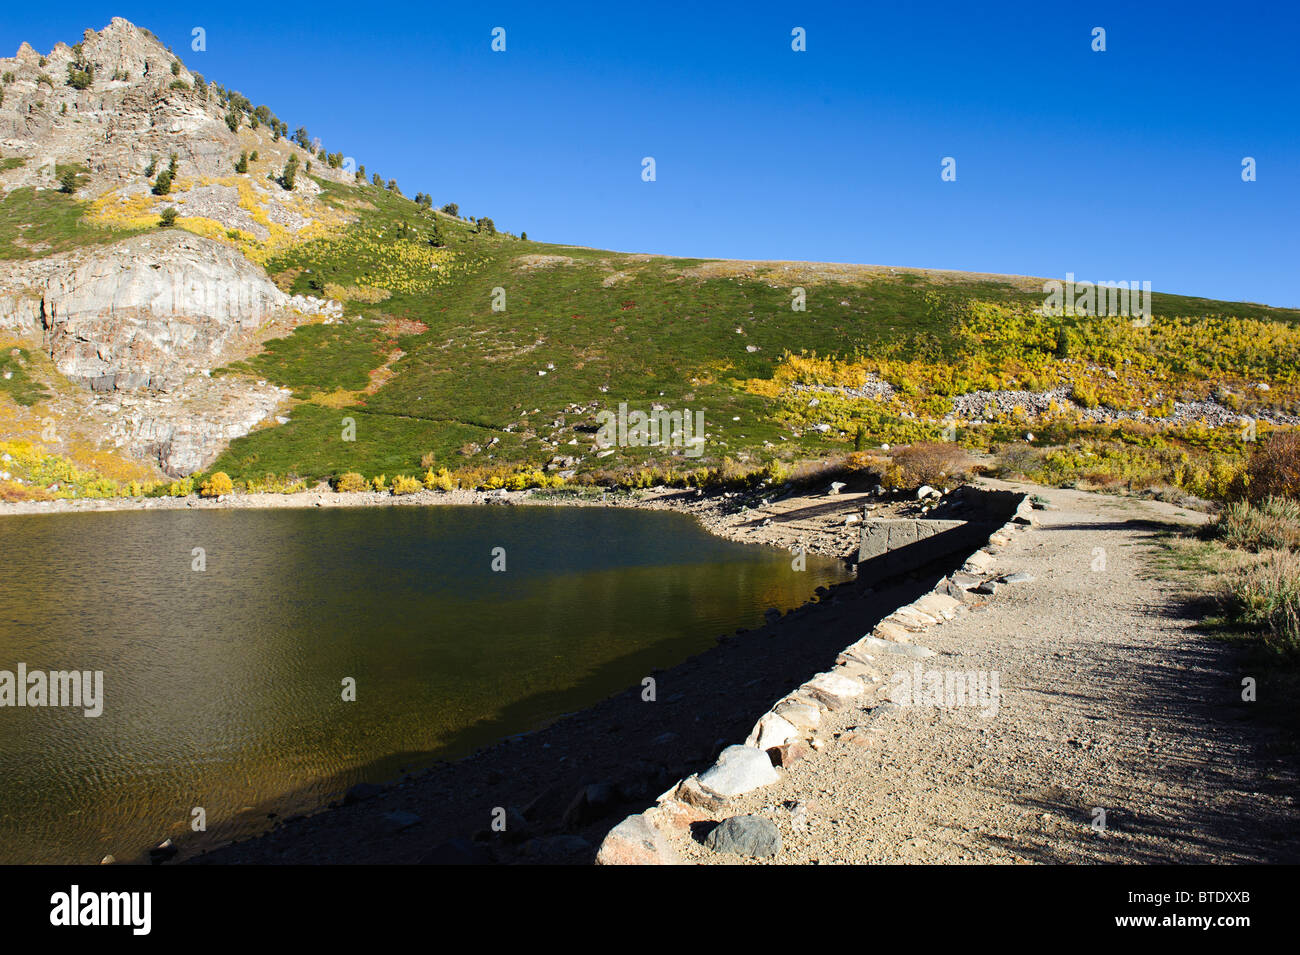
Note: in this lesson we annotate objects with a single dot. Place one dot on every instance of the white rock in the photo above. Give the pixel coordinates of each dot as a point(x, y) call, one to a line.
point(771, 730)
point(803, 715)
point(739, 769)
point(835, 685)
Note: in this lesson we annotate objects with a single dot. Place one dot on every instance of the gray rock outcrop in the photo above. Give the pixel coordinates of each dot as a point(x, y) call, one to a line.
point(148, 312)
point(140, 324)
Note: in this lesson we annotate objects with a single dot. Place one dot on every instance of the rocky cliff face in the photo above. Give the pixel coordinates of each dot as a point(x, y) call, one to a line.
point(150, 311)
point(184, 431)
point(141, 324)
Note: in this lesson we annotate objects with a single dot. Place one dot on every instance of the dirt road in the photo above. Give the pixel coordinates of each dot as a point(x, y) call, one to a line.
point(1108, 699)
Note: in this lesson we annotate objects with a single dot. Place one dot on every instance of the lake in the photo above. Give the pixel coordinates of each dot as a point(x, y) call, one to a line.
point(223, 688)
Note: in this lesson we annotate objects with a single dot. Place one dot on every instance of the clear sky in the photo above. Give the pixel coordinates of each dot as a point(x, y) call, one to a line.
point(1117, 165)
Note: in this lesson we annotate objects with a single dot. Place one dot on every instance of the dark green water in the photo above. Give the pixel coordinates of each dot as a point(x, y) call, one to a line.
point(223, 688)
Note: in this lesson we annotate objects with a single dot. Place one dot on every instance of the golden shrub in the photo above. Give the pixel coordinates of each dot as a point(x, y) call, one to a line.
point(350, 483)
point(405, 485)
point(440, 481)
point(217, 485)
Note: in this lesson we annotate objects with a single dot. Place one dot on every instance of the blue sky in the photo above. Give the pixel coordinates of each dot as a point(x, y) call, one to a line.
point(1117, 165)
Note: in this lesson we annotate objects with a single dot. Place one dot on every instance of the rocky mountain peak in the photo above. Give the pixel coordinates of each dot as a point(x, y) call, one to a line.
point(119, 101)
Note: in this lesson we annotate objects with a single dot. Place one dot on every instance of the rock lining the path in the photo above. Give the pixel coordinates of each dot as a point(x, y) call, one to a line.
point(787, 731)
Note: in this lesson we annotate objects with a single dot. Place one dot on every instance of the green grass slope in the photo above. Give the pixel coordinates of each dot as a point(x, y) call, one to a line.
point(433, 373)
point(428, 369)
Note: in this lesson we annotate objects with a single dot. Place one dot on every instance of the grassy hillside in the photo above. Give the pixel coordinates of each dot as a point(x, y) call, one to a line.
point(430, 373)
point(426, 373)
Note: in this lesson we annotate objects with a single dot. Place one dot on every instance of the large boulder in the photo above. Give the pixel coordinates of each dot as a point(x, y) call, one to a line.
point(739, 769)
point(751, 836)
point(634, 841)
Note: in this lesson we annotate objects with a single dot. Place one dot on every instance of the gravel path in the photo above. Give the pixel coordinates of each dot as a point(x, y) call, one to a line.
point(1108, 698)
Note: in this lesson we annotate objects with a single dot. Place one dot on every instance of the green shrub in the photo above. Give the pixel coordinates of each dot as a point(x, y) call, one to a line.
point(1274, 523)
point(163, 184)
point(1084, 395)
point(290, 174)
point(167, 218)
point(80, 75)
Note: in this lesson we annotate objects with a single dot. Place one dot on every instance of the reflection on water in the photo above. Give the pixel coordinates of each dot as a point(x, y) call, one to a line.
point(223, 688)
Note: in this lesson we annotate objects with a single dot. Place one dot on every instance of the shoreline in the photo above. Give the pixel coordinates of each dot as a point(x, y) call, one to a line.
point(821, 523)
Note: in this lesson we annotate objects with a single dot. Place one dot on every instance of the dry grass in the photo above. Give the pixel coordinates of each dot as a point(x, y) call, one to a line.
point(1266, 596)
point(1273, 524)
point(932, 462)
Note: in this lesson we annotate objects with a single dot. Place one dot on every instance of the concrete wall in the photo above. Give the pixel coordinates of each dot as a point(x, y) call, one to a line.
point(880, 536)
point(892, 546)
